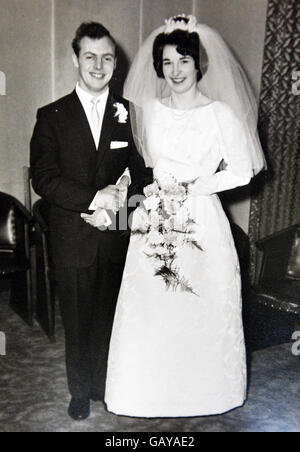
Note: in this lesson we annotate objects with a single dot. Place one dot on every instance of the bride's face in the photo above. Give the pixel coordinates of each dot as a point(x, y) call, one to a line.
point(180, 71)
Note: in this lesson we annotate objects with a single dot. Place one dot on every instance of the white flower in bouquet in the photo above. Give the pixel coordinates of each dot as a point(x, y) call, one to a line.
point(152, 202)
point(170, 238)
point(180, 194)
point(152, 189)
point(155, 238)
point(154, 219)
point(181, 220)
point(170, 206)
point(168, 225)
point(165, 179)
point(169, 189)
point(162, 251)
point(140, 221)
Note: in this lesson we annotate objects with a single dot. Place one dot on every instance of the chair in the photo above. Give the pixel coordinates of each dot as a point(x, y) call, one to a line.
point(45, 294)
point(17, 259)
point(277, 290)
point(279, 278)
point(44, 286)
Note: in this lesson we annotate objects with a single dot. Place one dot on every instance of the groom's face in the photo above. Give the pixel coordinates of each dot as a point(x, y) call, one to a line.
point(96, 64)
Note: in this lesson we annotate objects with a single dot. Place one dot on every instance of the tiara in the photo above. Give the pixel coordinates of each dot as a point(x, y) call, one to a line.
point(181, 22)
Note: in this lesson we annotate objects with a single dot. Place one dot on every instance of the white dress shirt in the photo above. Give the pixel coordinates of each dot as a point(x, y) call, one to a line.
point(86, 101)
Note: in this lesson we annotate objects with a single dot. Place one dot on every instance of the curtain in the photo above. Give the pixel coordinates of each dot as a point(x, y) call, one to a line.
point(275, 202)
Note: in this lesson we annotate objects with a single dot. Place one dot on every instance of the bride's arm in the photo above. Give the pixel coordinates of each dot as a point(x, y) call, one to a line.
point(224, 180)
point(236, 170)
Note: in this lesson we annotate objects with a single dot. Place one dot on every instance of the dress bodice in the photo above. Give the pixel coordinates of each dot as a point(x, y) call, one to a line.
point(186, 142)
point(191, 144)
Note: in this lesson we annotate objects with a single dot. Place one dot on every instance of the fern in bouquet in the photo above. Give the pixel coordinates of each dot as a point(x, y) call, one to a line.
point(166, 223)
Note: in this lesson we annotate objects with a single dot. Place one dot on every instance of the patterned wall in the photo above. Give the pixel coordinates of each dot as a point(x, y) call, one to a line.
point(276, 203)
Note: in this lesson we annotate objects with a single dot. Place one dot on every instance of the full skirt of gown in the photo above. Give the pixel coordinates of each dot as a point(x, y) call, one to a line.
point(174, 353)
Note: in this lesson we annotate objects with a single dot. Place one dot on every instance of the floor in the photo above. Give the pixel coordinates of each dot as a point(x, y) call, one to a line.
point(34, 395)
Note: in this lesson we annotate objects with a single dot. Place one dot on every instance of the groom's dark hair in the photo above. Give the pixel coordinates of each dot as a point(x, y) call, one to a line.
point(92, 30)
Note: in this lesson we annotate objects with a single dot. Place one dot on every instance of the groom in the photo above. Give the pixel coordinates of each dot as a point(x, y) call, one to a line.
point(81, 150)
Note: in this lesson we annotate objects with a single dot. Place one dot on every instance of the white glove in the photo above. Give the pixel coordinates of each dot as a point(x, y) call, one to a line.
point(99, 219)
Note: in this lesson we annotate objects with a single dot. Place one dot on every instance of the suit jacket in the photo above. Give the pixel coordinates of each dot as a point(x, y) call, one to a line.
point(68, 170)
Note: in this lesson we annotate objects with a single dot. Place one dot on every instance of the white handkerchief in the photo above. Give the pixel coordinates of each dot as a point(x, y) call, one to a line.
point(118, 144)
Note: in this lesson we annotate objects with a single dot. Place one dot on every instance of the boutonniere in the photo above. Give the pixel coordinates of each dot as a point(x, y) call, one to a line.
point(121, 113)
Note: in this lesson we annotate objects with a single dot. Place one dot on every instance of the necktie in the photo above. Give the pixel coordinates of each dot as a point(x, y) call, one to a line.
point(95, 120)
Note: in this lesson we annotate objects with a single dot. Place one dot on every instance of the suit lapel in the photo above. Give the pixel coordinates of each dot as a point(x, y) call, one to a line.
point(81, 125)
point(108, 126)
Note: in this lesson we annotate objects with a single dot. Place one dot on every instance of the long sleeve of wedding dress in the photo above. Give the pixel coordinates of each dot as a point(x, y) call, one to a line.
point(232, 146)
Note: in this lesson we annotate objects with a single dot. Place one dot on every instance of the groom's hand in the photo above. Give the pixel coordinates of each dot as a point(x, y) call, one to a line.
point(111, 198)
point(98, 219)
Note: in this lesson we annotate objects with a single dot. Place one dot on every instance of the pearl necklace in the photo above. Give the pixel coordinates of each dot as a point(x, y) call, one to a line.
point(178, 113)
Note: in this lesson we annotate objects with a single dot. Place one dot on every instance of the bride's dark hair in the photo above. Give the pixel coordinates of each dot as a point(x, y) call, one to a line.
point(186, 44)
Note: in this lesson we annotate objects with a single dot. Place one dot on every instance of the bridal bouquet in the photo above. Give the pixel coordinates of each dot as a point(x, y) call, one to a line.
point(166, 223)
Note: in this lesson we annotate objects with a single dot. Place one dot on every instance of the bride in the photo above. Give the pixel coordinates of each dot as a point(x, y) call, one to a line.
point(177, 346)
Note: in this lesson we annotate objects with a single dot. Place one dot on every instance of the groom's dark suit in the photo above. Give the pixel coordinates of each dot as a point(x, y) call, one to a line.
point(67, 172)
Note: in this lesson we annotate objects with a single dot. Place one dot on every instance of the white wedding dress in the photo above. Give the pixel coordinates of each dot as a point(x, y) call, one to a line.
point(176, 354)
